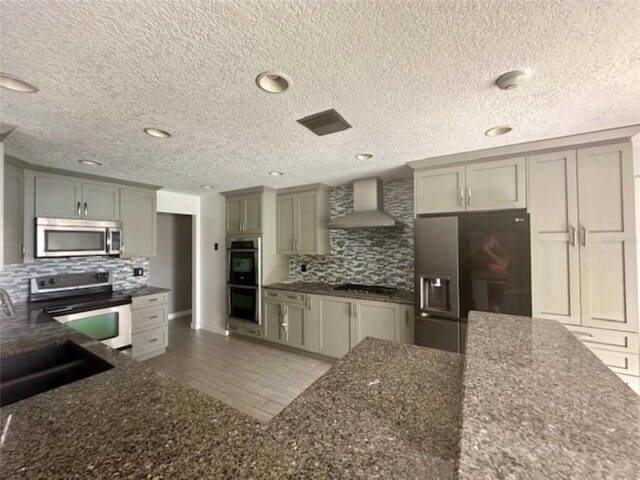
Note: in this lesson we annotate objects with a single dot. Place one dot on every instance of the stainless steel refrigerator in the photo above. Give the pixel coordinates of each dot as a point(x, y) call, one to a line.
point(469, 261)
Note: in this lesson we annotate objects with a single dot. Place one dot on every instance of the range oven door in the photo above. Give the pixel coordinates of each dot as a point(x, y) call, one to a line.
point(111, 326)
point(243, 302)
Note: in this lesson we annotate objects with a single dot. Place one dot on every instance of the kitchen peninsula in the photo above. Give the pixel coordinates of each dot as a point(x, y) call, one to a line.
point(386, 409)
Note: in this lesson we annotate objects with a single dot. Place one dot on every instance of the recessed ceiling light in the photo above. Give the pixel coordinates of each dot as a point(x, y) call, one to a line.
point(156, 132)
point(91, 163)
point(272, 82)
point(207, 186)
point(364, 156)
point(13, 83)
point(497, 131)
point(276, 174)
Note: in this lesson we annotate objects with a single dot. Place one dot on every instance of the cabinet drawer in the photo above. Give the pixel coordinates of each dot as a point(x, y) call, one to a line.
point(148, 300)
point(144, 342)
point(284, 296)
point(145, 318)
point(618, 362)
point(633, 382)
point(242, 330)
point(625, 342)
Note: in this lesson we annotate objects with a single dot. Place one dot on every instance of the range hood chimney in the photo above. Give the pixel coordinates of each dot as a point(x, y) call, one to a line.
point(367, 207)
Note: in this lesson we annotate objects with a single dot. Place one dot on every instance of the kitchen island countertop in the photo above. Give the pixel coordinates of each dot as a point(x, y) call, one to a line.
point(515, 406)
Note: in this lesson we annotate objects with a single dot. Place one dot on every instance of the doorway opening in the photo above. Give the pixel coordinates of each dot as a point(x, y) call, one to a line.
point(172, 266)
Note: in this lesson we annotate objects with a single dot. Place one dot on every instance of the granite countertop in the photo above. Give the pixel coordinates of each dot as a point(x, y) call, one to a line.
point(405, 297)
point(527, 401)
point(539, 404)
point(143, 291)
point(387, 410)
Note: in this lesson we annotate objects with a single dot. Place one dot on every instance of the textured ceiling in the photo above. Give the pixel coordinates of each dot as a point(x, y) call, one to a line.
point(413, 78)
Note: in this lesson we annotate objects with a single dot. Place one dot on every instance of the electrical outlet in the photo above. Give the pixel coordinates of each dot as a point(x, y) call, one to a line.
point(215, 246)
point(303, 267)
point(138, 272)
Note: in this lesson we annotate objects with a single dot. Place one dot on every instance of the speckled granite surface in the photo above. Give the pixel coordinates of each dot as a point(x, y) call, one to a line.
point(404, 426)
point(530, 402)
point(143, 291)
point(402, 296)
point(538, 404)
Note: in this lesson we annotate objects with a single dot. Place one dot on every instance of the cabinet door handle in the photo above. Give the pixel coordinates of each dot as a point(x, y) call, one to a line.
point(24, 250)
point(152, 300)
point(583, 235)
point(78, 209)
point(572, 236)
point(461, 199)
point(350, 309)
point(153, 340)
point(86, 209)
point(469, 196)
point(151, 317)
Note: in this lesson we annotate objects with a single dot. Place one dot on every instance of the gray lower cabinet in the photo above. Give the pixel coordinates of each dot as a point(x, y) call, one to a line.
point(58, 196)
point(334, 326)
point(290, 319)
point(138, 218)
point(13, 236)
point(149, 326)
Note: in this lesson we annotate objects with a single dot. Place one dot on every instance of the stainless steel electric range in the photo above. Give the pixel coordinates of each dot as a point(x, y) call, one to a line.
point(87, 303)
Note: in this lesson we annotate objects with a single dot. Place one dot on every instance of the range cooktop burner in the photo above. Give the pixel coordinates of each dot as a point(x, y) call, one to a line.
point(358, 289)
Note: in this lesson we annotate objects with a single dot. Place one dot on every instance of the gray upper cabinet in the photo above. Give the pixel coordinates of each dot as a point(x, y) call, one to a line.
point(244, 214)
point(302, 216)
point(495, 185)
point(100, 202)
point(138, 222)
point(58, 197)
point(13, 214)
point(66, 197)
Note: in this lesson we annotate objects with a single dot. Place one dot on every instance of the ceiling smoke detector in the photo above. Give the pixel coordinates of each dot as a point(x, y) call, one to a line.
point(510, 80)
point(364, 156)
point(272, 82)
point(208, 187)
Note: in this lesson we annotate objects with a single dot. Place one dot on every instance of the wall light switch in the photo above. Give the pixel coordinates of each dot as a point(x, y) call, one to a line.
point(138, 272)
point(215, 246)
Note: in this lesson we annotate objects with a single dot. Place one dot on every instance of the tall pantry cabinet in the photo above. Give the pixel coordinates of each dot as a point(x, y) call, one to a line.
point(583, 248)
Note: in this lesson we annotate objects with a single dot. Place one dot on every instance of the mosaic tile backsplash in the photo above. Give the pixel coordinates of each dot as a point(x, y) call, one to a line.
point(14, 278)
point(376, 256)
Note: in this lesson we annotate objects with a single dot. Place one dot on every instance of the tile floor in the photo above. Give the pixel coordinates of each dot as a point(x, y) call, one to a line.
point(254, 378)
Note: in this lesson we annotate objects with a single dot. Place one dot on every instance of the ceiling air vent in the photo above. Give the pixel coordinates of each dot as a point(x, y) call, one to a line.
point(324, 123)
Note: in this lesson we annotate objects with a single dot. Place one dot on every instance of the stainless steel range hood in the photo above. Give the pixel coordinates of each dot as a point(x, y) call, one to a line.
point(367, 207)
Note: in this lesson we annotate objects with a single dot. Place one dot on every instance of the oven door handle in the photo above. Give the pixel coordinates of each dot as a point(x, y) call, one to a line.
point(245, 287)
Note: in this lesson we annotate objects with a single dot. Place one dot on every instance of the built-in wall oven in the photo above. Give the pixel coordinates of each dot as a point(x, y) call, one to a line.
point(243, 278)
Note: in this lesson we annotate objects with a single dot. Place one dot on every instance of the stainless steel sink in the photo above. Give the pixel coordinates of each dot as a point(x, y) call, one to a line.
point(28, 374)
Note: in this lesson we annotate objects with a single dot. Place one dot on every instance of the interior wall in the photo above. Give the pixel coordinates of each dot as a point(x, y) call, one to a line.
point(172, 266)
point(213, 210)
point(2, 205)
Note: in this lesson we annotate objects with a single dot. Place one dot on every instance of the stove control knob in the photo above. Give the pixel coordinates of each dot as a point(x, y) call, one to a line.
point(52, 281)
point(41, 283)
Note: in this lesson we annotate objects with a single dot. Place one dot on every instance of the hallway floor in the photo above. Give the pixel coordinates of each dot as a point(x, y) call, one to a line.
point(254, 378)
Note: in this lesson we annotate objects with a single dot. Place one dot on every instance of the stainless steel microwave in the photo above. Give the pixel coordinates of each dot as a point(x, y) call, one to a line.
point(60, 237)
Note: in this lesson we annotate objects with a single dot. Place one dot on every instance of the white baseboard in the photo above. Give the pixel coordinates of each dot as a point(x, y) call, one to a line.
point(183, 313)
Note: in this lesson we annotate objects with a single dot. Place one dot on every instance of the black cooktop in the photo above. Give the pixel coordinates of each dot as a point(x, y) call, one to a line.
point(358, 289)
point(82, 303)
